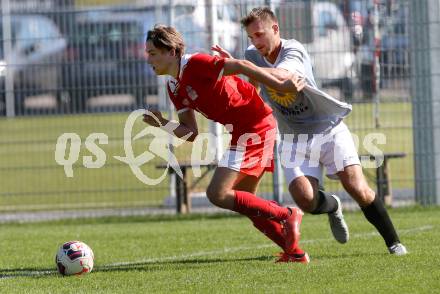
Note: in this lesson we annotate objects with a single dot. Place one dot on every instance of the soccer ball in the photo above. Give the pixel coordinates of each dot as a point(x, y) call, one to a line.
point(74, 258)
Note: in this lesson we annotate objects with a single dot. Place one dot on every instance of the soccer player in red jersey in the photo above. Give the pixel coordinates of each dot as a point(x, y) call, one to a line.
point(207, 84)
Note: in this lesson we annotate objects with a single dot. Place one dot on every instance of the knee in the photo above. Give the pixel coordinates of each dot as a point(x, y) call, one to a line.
point(302, 197)
point(363, 195)
point(355, 184)
point(305, 204)
point(216, 195)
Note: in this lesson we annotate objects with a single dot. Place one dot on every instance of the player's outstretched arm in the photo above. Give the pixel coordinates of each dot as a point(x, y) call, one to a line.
point(186, 128)
point(247, 68)
point(279, 73)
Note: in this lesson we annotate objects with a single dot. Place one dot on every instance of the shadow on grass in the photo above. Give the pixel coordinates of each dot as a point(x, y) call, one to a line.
point(181, 264)
point(175, 264)
point(135, 266)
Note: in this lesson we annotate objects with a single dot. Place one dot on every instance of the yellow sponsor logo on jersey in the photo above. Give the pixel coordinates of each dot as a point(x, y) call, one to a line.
point(284, 99)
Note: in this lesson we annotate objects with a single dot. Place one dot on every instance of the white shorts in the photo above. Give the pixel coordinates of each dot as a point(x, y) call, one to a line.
point(333, 150)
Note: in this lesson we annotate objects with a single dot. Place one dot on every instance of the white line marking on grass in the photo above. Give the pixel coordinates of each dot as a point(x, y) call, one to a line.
point(244, 248)
point(24, 273)
point(36, 273)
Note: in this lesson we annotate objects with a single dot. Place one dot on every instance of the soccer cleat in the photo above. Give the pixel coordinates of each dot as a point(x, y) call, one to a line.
point(291, 230)
point(337, 223)
point(301, 258)
point(398, 249)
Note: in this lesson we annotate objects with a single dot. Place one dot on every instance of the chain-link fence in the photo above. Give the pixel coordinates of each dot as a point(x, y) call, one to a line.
point(78, 68)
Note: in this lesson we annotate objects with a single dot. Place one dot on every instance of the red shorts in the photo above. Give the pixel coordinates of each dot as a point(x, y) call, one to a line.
point(251, 150)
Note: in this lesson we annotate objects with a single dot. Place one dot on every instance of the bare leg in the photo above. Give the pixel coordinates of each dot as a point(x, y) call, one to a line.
point(373, 208)
point(221, 193)
point(306, 193)
point(304, 190)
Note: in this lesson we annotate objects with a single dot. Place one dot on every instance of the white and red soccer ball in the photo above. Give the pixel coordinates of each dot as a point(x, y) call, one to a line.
point(74, 258)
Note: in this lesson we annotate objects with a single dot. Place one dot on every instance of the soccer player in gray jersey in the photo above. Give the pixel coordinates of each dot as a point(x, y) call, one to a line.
point(313, 134)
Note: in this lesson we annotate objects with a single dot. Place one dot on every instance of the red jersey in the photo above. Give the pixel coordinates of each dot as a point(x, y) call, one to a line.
point(225, 99)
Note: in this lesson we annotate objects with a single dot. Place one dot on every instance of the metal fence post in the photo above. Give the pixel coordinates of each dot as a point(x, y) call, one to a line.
point(277, 176)
point(425, 86)
point(7, 47)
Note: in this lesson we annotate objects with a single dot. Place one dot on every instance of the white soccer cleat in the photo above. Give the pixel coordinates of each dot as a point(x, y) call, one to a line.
point(398, 249)
point(337, 223)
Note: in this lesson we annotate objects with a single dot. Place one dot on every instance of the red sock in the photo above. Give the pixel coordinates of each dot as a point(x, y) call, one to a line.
point(252, 206)
point(270, 228)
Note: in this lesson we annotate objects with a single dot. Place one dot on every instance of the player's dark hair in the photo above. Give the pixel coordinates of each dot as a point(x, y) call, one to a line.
point(259, 13)
point(164, 37)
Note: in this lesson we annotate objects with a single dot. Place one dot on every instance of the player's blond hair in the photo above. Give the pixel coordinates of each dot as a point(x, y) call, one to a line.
point(164, 37)
point(259, 13)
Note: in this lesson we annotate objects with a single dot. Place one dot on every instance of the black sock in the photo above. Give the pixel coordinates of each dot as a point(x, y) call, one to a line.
point(378, 216)
point(326, 203)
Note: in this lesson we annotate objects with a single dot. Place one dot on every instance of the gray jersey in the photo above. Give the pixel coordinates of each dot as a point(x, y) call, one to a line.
point(309, 112)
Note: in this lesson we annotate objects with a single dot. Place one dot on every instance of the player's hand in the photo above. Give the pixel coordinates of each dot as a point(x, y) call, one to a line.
point(153, 117)
point(298, 81)
point(221, 51)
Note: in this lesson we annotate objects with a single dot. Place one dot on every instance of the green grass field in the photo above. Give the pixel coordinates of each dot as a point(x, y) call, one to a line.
point(32, 180)
point(221, 254)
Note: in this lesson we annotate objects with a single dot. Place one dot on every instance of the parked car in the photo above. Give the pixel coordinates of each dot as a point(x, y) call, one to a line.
point(105, 55)
point(194, 18)
point(34, 62)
